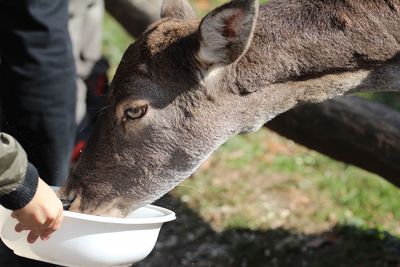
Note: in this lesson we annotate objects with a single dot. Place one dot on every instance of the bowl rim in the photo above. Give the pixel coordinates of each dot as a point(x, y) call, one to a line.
point(168, 216)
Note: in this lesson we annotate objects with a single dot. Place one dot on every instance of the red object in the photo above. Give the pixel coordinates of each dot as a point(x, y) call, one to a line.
point(77, 151)
point(101, 85)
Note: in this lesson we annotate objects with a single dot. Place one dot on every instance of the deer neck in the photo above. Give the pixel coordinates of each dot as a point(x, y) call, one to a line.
point(291, 62)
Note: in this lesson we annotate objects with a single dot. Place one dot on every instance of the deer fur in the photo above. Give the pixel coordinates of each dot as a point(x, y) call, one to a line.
point(196, 83)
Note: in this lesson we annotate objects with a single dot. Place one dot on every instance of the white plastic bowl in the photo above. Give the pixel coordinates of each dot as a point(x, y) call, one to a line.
point(87, 240)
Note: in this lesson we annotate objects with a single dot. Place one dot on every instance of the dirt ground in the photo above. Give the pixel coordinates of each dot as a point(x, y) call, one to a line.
point(190, 241)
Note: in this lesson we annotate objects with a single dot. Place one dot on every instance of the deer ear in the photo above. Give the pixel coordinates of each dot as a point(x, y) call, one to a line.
point(179, 9)
point(226, 32)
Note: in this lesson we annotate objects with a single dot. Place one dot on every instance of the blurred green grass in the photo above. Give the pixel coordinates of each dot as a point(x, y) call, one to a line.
point(115, 41)
point(262, 181)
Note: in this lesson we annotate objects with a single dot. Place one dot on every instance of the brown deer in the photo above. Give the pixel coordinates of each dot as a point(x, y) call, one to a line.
point(187, 85)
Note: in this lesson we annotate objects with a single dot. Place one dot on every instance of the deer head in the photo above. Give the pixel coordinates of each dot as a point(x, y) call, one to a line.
point(167, 110)
point(186, 86)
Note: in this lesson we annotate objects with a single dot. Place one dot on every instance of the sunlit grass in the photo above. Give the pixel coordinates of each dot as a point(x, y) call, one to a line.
point(266, 181)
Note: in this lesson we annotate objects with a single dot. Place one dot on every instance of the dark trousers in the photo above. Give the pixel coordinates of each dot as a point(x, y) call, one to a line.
point(38, 84)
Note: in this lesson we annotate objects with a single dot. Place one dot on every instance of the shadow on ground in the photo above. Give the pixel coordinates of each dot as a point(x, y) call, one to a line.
point(189, 241)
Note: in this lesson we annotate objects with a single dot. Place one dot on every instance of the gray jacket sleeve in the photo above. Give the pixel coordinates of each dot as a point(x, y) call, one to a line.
point(18, 178)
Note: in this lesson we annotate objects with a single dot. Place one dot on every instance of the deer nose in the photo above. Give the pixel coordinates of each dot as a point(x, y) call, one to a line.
point(66, 203)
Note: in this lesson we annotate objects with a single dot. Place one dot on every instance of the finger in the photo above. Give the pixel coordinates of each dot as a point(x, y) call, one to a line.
point(32, 237)
point(54, 227)
point(47, 233)
point(52, 219)
point(46, 236)
point(19, 227)
point(33, 226)
point(58, 221)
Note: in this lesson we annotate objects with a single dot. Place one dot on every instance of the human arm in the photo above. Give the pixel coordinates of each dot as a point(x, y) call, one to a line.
point(34, 203)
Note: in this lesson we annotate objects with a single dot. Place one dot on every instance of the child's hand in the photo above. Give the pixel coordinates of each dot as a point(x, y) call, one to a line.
point(42, 216)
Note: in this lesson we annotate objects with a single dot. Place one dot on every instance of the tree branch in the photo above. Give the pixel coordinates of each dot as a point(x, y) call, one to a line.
point(134, 15)
point(348, 129)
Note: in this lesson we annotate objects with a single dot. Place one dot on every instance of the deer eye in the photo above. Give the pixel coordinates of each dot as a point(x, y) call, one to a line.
point(135, 113)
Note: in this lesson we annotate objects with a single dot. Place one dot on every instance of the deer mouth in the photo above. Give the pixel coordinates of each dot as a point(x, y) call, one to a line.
point(66, 204)
point(75, 201)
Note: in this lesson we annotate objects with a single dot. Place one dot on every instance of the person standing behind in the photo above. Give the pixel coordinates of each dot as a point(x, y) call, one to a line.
point(38, 85)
